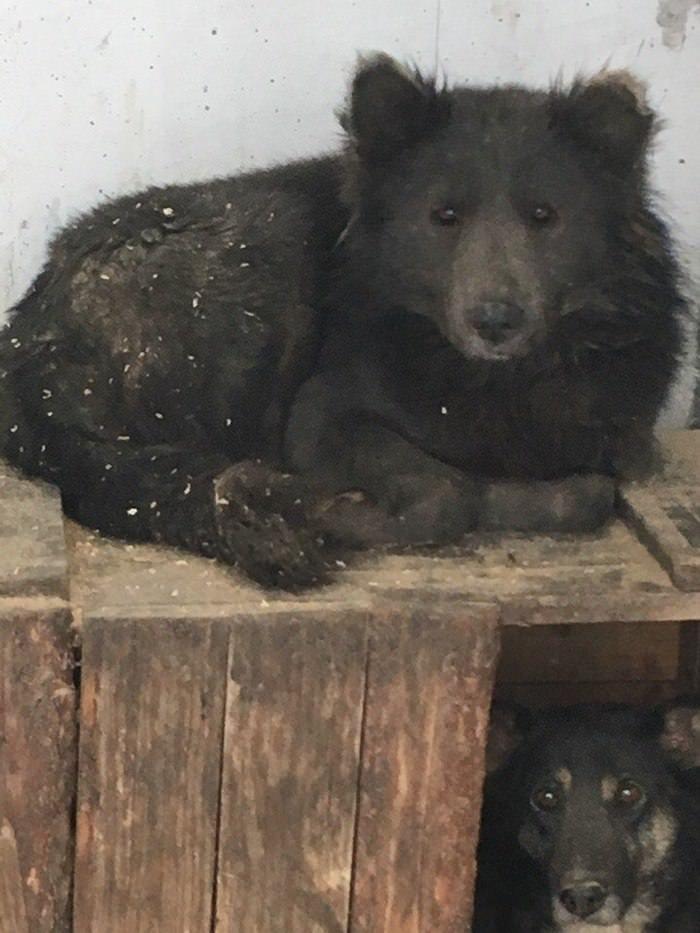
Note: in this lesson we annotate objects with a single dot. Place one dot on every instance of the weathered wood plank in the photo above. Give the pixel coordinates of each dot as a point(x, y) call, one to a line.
point(428, 696)
point(32, 546)
point(606, 577)
point(598, 578)
point(38, 754)
point(290, 774)
point(37, 701)
point(669, 525)
point(152, 704)
point(665, 512)
point(606, 652)
point(13, 916)
point(681, 455)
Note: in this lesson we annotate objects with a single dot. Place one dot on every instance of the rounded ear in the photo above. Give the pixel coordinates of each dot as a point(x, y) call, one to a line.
point(680, 736)
point(609, 116)
point(390, 107)
point(508, 725)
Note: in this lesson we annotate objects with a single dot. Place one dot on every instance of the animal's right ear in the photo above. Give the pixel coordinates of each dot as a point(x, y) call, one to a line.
point(508, 725)
point(390, 107)
point(681, 733)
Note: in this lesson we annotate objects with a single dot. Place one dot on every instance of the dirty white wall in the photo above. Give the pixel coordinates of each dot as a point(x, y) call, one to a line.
point(98, 97)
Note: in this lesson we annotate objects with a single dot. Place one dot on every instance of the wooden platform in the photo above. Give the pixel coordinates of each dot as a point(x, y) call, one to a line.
point(254, 763)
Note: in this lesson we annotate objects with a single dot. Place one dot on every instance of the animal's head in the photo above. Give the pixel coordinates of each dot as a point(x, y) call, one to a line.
point(496, 213)
point(589, 794)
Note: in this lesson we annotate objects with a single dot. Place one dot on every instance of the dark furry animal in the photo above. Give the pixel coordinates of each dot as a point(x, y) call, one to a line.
point(508, 304)
point(502, 304)
point(151, 366)
point(592, 823)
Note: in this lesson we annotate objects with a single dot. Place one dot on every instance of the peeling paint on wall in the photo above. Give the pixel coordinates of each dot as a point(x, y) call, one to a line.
point(673, 19)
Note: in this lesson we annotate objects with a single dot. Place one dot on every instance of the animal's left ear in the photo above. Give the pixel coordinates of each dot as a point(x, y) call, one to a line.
point(681, 733)
point(609, 116)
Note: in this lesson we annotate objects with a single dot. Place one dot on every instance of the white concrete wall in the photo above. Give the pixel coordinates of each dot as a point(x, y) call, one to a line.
point(99, 97)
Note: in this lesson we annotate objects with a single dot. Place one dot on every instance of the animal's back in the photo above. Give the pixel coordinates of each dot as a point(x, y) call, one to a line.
point(153, 361)
point(158, 313)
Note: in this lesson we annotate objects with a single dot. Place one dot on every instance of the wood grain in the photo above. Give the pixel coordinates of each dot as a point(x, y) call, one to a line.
point(290, 774)
point(428, 697)
point(38, 714)
point(607, 577)
point(32, 546)
point(670, 526)
point(13, 916)
point(606, 652)
point(152, 707)
point(38, 754)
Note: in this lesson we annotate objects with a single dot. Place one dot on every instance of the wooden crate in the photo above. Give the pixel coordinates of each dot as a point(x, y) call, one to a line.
point(273, 764)
point(255, 763)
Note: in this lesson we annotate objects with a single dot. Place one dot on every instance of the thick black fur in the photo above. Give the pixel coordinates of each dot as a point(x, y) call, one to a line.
point(151, 366)
point(649, 862)
point(151, 369)
point(408, 399)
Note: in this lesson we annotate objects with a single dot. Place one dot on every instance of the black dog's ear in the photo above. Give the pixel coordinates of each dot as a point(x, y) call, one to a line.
point(608, 116)
point(680, 735)
point(508, 725)
point(390, 107)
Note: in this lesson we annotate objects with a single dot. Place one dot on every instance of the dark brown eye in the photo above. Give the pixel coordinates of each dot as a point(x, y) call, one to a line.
point(542, 214)
point(628, 794)
point(445, 216)
point(546, 798)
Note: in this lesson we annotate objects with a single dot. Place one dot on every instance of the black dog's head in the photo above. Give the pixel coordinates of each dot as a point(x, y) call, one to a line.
point(502, 215)
point(589, 796)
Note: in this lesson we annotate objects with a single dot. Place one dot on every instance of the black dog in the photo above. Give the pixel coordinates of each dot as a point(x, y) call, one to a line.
point(476, 286)
point(593, 823)
point(508, 306)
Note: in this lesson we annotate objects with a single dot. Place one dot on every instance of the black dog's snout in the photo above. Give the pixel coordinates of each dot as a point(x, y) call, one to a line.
point(497, 321)
point(582, 900)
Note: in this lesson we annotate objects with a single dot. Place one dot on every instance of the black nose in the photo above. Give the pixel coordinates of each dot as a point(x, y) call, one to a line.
point(582, 900)
point(497, 321)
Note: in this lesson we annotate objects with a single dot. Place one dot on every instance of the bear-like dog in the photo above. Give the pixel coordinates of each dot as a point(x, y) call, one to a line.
point(508, 305)
point(469, 316)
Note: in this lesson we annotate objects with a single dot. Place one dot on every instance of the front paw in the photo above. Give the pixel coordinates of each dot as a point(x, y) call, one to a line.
point(429, 508)
point(353, 521)
point(576, 504)
point(263, 526)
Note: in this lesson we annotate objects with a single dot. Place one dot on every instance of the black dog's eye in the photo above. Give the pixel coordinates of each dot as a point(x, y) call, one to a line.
point(445, 216)
point(628, 794)
point(542, 214)
point(546, 798)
